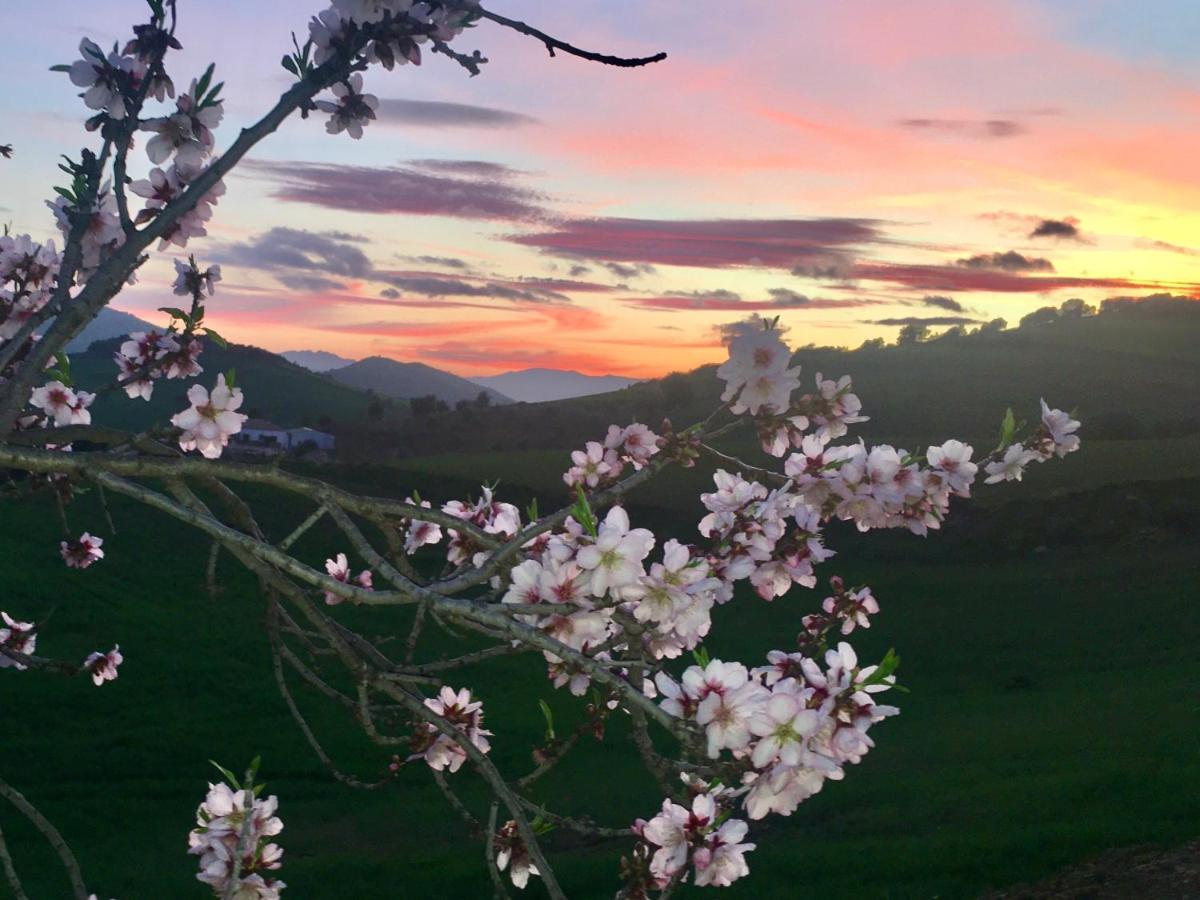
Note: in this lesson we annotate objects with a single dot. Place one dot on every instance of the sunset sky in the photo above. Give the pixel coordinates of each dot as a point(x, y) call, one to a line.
point(848, 166)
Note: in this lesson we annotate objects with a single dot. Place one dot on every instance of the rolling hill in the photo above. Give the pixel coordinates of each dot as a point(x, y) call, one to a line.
point(110, 323)
point(402, 381)
point(1132, 372)
point(275, 388)
point(540, 385)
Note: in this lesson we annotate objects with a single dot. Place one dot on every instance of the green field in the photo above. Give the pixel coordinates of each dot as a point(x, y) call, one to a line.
point(1053, 714)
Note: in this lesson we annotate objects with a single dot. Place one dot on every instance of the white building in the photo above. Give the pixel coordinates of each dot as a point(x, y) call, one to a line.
point(299, 437)
point(259, 436)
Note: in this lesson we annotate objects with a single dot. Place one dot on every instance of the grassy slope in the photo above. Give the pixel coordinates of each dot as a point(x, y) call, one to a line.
point(279, 390)
point(982, 781)
point(985, 779)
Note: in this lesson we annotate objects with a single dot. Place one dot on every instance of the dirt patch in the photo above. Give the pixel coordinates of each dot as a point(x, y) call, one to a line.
point(1145, 873)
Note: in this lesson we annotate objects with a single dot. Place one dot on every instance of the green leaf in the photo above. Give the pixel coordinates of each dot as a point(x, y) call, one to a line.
point(204, 82)
point(1008, 428)
point(582, 511)
point(886, 668)
point(216, 338)
point(65, 194)
point(156, 8)
point(61, 67)
point(531, 513)
point(700, 655)
point(175, 313)
point(290, 64)
point(548, 715)
point(229, 776)
point(230, 378)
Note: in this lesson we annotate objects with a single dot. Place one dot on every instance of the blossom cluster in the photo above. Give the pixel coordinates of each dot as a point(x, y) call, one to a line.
point(28, 276)
point(339, 570)
point(62, 405)
point(700, 834)
point(487, 513)
point(388, 32)
point(233, 828)
point(459, 712)
point(599, 463)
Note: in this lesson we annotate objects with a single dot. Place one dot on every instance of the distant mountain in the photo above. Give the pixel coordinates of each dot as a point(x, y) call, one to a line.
point(316, 360)
point(109, 324)
point(538, 385)
point(402, 381)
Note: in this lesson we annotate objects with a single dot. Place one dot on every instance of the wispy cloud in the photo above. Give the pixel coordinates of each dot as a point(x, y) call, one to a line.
point(437, 114)
point(727, 301)
point(939, 301)
point(429, 188)
point(706, 243)
point(975, 128)
point(1008, 261)
point(923, 320)
point(958, 278)
point(1057, 228)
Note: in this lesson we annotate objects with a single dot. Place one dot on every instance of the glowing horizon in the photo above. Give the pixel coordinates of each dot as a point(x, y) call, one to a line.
point(840, 169)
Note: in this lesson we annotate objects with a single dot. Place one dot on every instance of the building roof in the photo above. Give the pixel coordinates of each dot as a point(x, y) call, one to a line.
point(261, 425)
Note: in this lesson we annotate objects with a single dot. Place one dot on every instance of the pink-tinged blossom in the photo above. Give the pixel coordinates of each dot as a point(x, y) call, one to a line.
point(494, 517)
point(187, 133)
point(339, 570)
point(81, 553)
point(722, 859)
point(209, 422)
point(1059, 430)
point(191, 280)
point(837, 407)
point(726, 715)
point(757, 373)
point(634, 443)
point(103, 666)
point(673, 831)
point(17, 637)
point(782, 723)
point(952, 461)
point(351, 110)
point(464, 714)
point(63, 405)
point(419, 533)
point(1011, 466)
point(221, 823)
point(592, 465)
point(513, 854)
point(105, 77)
point(615, 559)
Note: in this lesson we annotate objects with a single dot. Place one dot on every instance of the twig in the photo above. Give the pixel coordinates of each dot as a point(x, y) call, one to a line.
point(10, 871)
point(489, 845)
point(50, 833)
point(553, 43)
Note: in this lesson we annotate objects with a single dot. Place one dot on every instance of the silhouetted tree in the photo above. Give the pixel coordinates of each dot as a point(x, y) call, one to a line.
point(1076, 308)
point(912, 333)
point(1047, 315)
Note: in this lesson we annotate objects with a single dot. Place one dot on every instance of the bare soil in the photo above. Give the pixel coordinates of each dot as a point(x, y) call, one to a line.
point(1143, 872)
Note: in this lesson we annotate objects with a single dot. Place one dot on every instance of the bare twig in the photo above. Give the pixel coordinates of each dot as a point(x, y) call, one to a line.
point(552, 44)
